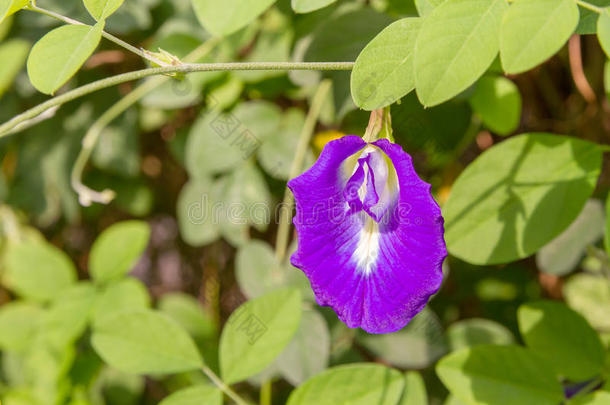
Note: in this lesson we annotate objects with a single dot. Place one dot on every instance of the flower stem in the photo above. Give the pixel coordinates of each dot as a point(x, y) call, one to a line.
point(86, 195)
point(265, 395)
point(281, 244)
point(223, 387)
point(106, 35)
point(184, 68)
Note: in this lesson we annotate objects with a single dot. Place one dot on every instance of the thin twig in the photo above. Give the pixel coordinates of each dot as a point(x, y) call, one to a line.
point(184, 68)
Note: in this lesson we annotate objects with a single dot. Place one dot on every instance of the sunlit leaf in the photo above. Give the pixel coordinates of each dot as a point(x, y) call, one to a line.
point(257, 332)
point(355, 384)
point(457, 42)
point(117, 250)
point(145, 342)
point(476, 375)
point(518, 196)
point(384, 70)
point(563, 337)
point(534, 30)
point(57, 56)
point(225, 17)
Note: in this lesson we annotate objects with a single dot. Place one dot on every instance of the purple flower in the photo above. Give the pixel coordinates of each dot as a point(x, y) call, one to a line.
point(370, 235)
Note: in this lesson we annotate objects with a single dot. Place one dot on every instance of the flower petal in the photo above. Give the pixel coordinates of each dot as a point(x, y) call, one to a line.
point(375, 274)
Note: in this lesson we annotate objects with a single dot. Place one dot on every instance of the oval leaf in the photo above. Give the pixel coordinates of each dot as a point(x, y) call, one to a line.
point(563, 337)
point(458, 41)
point(498, 102)
point(519, 195)
point(257, 332)
point(117, 249)
point(19, 322)
point(126, 295)
point(534, 30)
point(57, 56)
point(225, 17)
point(37, 270)
point(384, 70)
point(145, 342)
point(102, 9)
point(355, 384)
point(476, 375)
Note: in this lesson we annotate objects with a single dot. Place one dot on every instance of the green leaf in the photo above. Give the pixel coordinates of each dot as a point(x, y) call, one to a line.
point(256, 269)
point(415, 390)
point(384, 70)
point(477, 331)
point(534, 30)
point(519, 195)
point(476, 375)
point(19, 322)
point(418, 345)
point(57, 56)
point(187, 311)
point(69, 314)
point(277, 150)
point(125, 295)
point(563, 338)
point(307, 6)
point(13, 53)
point(220, 142)
point(102, 9)
point(195, 212)
point(226, 17)
point(425, 7)
point(564, 253)
point(498, 102)
point(117, 249)
point(257, 332)
point(590, 296)
point(603, 31)
point(195, 395)
point(308, 352)
point(8, 7)
point(145, 342)
point(37, 270)
point(458, 41)
point(354, 384)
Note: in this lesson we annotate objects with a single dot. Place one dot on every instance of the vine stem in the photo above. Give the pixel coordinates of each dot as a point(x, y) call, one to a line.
point(281, 244)
point(589, 6)
point(86, 195)
point(223, 387)
point(106, 35)
point(184, 68)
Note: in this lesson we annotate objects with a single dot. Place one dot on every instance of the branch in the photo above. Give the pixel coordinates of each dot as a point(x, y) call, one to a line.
point(184, 68)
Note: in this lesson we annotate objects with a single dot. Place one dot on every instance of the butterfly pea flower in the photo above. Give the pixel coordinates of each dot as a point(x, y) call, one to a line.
point(370, 235)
